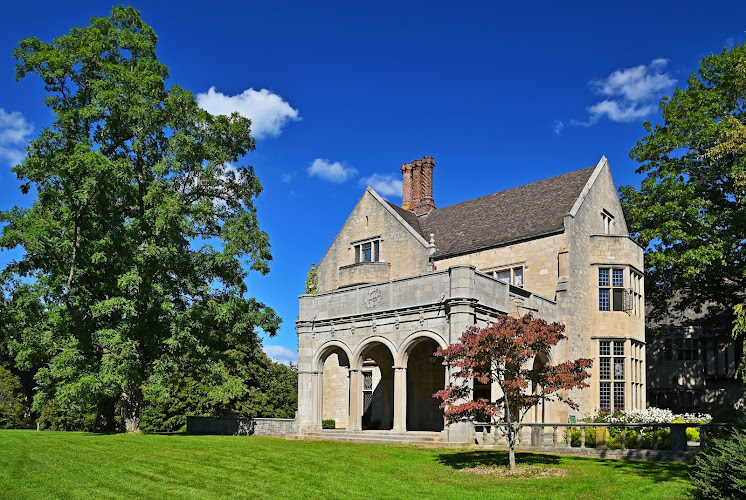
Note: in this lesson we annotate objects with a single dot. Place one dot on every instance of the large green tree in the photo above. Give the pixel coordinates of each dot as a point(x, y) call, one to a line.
point(690, 213)
point(143, 229)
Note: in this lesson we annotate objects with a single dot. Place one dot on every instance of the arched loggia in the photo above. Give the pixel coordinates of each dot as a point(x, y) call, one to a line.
point(375, 391)
point(425, 376)
point(333, 385)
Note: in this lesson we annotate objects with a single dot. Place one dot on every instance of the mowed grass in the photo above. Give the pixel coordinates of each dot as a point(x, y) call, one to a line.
point(76, 465)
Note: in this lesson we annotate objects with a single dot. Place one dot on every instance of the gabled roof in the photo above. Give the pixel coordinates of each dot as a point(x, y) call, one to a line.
point(520, 213)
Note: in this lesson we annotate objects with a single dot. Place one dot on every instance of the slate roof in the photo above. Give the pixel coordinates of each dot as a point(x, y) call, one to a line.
point(516, 214)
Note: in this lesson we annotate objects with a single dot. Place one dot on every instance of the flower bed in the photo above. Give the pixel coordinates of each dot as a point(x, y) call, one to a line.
point(613, 435)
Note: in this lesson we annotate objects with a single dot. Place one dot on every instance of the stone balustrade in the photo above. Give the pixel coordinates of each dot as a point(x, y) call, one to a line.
point(558, 438)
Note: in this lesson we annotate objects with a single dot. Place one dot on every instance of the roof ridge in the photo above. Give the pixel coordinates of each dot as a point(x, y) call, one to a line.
point(515, 187)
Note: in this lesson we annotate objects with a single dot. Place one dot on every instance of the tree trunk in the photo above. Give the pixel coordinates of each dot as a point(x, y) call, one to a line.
point(511, 457)
point(130, 409)
point(511, 446)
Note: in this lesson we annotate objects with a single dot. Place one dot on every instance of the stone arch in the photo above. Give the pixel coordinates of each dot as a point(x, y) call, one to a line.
point(425, 375)
point(356, 359)
point(374, 360)
point(326, 349)
point(402, 354)
point(332, 363)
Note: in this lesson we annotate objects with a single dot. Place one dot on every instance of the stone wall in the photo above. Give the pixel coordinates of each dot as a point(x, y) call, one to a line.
point(336, 391)
point(276, 427)
point(219, 426)
point(241, 426)
point(588, 248)
point(538, 256)
point(402, 252)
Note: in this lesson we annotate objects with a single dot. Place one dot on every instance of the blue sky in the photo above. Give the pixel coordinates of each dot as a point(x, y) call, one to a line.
point(343, 93)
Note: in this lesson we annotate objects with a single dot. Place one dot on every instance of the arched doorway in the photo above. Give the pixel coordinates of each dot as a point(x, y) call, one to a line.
point(377, 375)
point(335, 386)
point(425, 376)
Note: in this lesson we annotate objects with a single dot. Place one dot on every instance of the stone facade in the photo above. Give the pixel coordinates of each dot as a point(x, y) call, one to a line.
point(389, 296)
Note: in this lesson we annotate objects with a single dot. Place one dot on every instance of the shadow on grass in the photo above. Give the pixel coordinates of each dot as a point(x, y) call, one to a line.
point(489, 458)
point(657, 472)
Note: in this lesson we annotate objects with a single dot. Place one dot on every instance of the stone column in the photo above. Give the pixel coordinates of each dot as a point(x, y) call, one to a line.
point(400, 399)
point(304, 416)
point(316, 400)
point(356, 400)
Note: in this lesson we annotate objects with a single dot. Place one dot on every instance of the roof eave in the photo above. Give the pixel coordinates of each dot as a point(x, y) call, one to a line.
point(553, 232)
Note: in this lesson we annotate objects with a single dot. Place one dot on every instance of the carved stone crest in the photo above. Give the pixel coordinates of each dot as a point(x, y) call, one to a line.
point(372, 298)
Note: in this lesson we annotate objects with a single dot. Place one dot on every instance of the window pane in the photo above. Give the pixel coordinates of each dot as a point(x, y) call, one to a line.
point(366, 252)
point(619, 368)
point(618, 348)
point(619, 299)
point(605, 396)
point(368, 381)
point(518, 276)
point(668, 349)
point(357, 254)
point(504, 276)
point(376, 253)
point(603, 277)
point(604, 368)
point(619, 396)
point(617, 277)
point(605, 348)
point(603, 299)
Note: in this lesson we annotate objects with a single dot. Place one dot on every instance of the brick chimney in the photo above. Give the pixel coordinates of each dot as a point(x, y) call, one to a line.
point(406, 195)
point(417, 185)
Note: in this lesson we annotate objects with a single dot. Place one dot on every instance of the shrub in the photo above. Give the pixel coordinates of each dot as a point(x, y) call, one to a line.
point(328, 424)
point(12, 403)
point(719, 469)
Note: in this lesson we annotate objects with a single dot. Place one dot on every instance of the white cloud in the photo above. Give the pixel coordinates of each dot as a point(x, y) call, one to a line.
point(14, 132)
point(631, 93)
point(287, 177)
point(268, 112)
point(641, 83)
point(330, 171)
point(620, 112)
point(558, 126)
point(385, 185)
point(281, 354)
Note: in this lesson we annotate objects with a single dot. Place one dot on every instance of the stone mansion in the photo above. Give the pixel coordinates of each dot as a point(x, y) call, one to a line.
point(399, 281)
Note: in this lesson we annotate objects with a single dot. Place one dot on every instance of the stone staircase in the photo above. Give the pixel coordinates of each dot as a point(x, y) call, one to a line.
point(418, 438)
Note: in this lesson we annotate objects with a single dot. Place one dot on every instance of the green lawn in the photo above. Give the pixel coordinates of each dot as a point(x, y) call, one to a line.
point(75, 465)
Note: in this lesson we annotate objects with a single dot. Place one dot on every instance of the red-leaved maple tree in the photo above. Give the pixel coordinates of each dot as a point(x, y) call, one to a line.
point(503, 354)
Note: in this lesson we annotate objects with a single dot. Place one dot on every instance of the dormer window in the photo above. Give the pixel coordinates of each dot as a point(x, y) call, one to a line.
point(368, 251)
point(608, 221)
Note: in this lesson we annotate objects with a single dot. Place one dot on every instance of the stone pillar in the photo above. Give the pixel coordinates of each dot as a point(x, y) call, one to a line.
point(316, 399)
point(356, 400)
point(304, 416)
point(400, 399)
point(461, 314)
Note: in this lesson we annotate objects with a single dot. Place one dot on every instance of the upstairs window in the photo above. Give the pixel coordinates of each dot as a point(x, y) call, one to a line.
point(368, 251)
point(610, 289)
point(510, 275)
point(608, 220)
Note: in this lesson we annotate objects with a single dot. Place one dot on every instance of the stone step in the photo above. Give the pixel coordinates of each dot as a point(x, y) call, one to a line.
point(418, 438)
